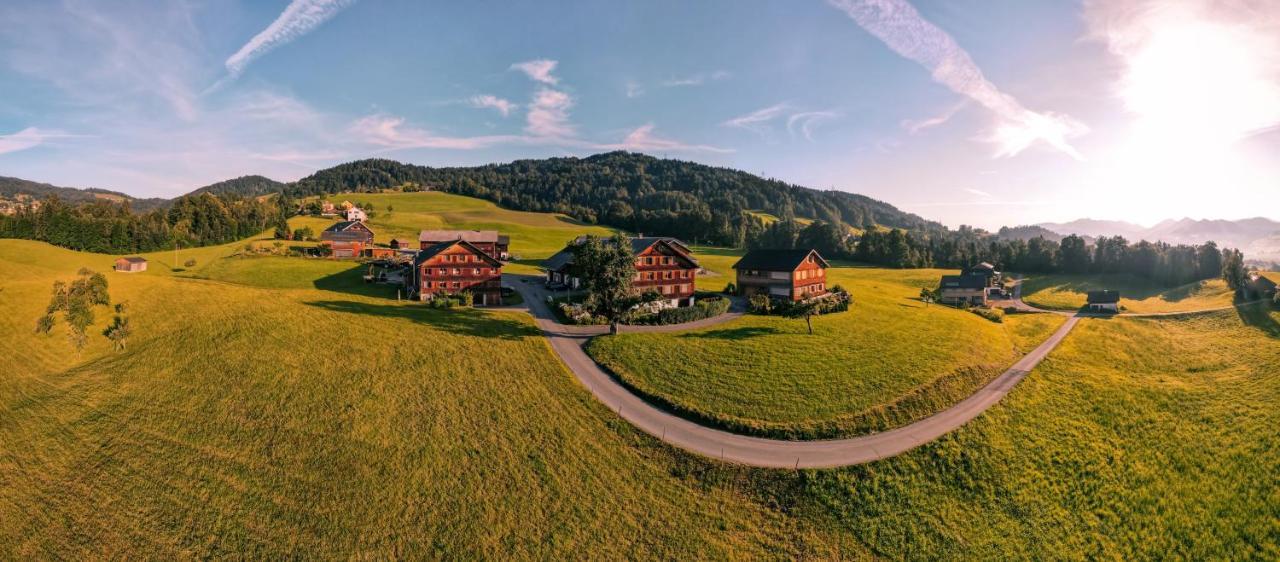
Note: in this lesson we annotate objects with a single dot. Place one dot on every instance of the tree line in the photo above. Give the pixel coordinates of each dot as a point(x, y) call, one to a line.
point(115, 228)
point(635, 192)
point(1160, 262)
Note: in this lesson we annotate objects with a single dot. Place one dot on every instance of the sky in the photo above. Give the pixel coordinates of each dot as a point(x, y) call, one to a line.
point(978, 112)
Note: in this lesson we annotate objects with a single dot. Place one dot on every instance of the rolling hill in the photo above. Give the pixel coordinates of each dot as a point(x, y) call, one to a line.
point(1258, 237)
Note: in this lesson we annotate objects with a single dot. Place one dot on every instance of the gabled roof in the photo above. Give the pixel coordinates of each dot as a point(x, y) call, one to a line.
point(473, 236)
point(133, 259)
point(342, 226)
point(983, 267)
point(963, 282)
point(435, 250)
point(777, 260)
point(564, 257)
point(1259, 282)
point(1104, 297)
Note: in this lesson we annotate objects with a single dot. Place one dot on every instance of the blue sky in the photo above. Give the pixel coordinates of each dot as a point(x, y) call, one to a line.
point(970, 112)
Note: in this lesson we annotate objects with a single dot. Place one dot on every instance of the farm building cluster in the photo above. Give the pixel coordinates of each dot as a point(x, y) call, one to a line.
point(975, 286)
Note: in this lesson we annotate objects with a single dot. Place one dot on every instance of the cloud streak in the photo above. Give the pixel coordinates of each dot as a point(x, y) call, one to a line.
point(29, 137)
point(538, 70)
point(901, 28)
point(298, 19)
point(493, 102)
point(642, 139)
point(804, 123)
point(757, 121)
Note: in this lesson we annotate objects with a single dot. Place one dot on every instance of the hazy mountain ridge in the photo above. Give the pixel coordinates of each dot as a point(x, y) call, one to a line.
point(1257, 237)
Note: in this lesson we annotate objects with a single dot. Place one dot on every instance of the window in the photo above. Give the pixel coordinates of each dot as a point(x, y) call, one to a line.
point(666, 260)
point(457, 271)
point(475, 271)
point(455, 284)
point(666, 275)
point(666, 289)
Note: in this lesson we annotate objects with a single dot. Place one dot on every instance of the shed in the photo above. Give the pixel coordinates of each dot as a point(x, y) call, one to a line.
point(131, 264)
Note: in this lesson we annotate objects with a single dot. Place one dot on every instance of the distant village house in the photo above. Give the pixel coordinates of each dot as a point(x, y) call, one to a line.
point(488, 241)
point(347, 239)
point(793, 275)
point(1260, 287)
point(663, 265)
point(1103, 301)
point(956, 290)
point(356, 214)
point(131, 264)
point(453, 267)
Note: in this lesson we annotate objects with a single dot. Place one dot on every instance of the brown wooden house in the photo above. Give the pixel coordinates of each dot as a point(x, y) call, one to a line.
point(793, 275)
point(453, 267)
point(131, 264)
point(347, 239)
point(663, 265)
point(488, 241)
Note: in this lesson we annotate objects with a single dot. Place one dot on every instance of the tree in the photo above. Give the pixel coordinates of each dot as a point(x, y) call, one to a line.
point(1233, 271)
point(75, 301)
point(608, 267)
point(928, 296)
point(805, 309)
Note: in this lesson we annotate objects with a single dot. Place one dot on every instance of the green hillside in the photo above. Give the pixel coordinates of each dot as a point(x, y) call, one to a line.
point(1069, 292)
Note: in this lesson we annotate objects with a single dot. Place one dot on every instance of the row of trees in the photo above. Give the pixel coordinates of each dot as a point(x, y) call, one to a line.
point(108, 227)
point(1158, 261)
point(635, 192)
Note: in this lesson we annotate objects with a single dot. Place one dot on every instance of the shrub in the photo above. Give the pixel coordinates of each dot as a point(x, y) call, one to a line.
point(992, 314)
point(707, 307)
point(730, 289)
point(572, 313)
point(190, 263)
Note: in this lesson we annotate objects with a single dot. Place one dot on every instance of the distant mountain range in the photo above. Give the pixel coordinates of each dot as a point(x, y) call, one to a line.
point(1258, 238)
point(18, 190)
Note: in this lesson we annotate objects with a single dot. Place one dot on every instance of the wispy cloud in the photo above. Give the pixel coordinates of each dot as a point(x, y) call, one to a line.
point(391, 133)
point(539, 70)
point(696, 79)
point(29, 137)
point(642, 139)
point(757, 121)
point(488, 101)
point(634, 89)
point(298, 18)
point(979, 192)
point(907, 33)
point(548, 114)
point(914, 126)
point(804, 123)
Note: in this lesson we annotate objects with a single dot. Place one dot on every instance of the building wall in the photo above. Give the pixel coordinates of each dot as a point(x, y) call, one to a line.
point(957, 296)
point(456, 270)
point(659, 268)
point(808, 280)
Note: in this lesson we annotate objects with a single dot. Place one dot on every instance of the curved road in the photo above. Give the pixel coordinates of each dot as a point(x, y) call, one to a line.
point(567, 342)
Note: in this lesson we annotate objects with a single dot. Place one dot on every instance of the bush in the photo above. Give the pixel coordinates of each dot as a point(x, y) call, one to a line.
point(992, 314)
point(190, 263)
point(449, 301)
point(730, 289)
point(837, 300)
point(707, 307)
point(571, 313)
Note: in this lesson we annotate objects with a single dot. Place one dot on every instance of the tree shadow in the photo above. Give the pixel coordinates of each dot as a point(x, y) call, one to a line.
point(351, 281)
point(1259, 316)
point(464, 321)
point(734, 334)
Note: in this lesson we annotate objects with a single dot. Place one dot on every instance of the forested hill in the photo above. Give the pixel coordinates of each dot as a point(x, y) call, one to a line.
point(247, 186)
point(631, 191)
point(16, 190)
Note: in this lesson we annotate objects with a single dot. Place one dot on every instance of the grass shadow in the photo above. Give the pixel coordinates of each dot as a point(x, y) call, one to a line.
point(1259, 316)
point(351, 281)
point(464, 321)
point(734, 334)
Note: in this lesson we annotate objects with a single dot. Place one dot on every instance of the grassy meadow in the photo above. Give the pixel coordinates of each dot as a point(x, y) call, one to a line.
point(1069, 292)
point(534, 236)
point(254, 422)
point(271, 407)
point(887, 361)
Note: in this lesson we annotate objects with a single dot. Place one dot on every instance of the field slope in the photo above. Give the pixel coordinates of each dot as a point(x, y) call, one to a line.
point(888, 361)
point(1069, 292)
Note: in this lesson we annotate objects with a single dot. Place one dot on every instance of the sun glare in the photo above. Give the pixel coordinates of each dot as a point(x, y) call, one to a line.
point(1196, 89)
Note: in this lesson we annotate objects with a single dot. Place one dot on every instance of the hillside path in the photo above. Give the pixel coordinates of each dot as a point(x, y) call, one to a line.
point(568, 342)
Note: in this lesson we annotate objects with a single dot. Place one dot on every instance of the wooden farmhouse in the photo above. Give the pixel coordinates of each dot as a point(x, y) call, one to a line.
point(1104, 301)
point(489, 241)
point(131, 264)
point(347, 239)
point(1259, 287)
point(663, 265)
point(984, 270)
point(793, 275)
point(956, 290)
point(453, 267)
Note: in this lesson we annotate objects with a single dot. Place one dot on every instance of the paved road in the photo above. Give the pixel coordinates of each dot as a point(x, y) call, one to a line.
point(567, 343)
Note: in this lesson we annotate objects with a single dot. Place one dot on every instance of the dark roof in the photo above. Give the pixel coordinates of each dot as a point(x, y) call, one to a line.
point(431, 252)
point(1259, 282)
point(490, 236)
point(777, 260)
point(983, 268)
point(560, 260)
point(341, 226)
point(1104, 297)
point(504, 240)
point(963, 282)
point(134, 259)
point(564, 257)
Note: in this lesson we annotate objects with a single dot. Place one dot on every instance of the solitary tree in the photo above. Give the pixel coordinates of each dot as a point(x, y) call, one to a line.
point(928, 296)
point(75, 301)
point(1233, 271)
point(608, 266)
point(806, 310)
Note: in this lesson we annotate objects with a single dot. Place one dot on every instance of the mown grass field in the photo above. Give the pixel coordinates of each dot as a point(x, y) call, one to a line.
point(306, 423)
point(887, 361)
point(534, 236)
point(1069, 292)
